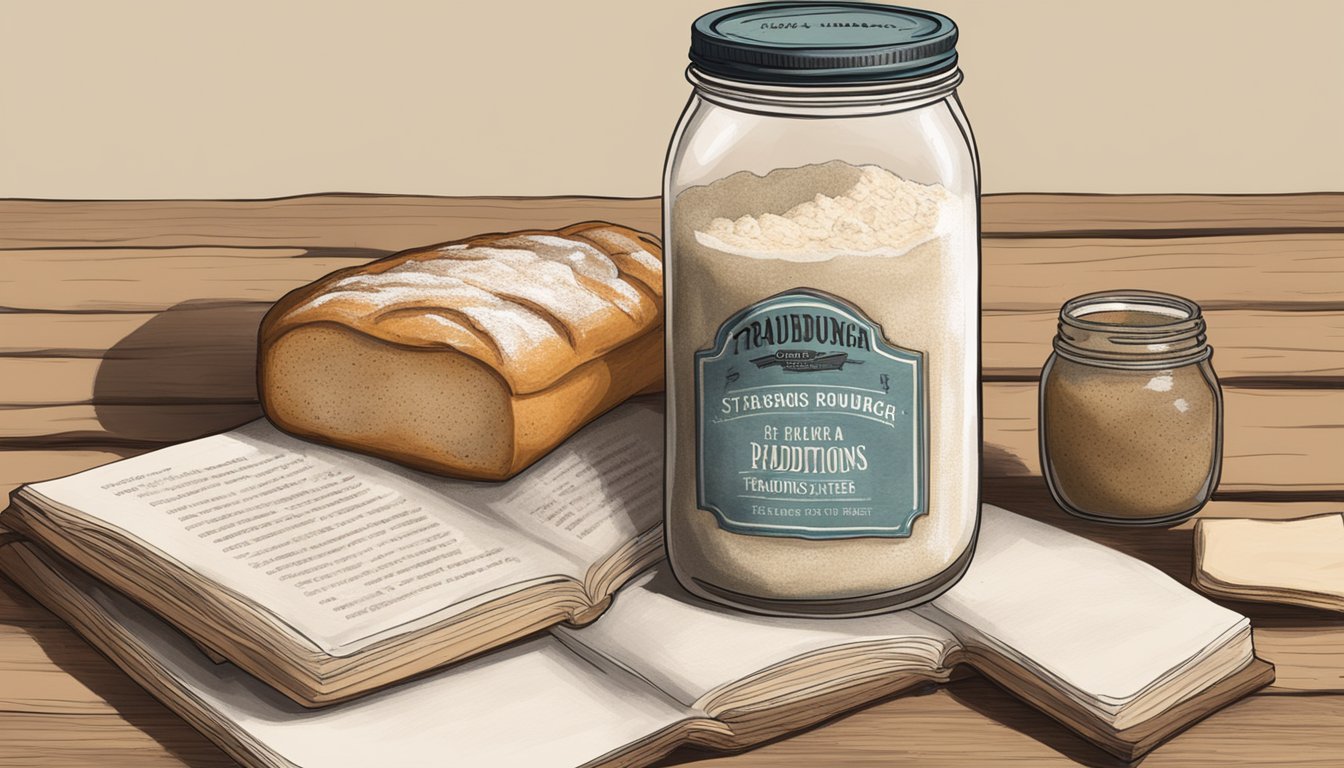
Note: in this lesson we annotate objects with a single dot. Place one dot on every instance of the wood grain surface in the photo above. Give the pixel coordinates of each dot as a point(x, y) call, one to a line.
point(1015, 342)
point(398, 221)
point(1275, 439)
point(128, 325)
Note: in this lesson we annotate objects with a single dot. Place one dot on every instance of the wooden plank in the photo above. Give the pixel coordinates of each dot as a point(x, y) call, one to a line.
point(153, 281)
point(1275, 440)
point(1290, 272)
point(196, 374)
point(391, 222)
point(1081, 215)
point(971, 722)
point(1263, 510)
point(118, 426)
point(206, 346)
point(1251, 347)
point(1306, 659)
point(17, 609)
point(202, 352)
point(52, 670)
point(205, 352)
point(197, 353)
point(148, 739)
point(75, 335)
point(382, 222)
point(19, 467)
point(51, 380)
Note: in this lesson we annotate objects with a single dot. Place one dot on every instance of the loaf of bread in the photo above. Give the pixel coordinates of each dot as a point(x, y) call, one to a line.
point(472, 358)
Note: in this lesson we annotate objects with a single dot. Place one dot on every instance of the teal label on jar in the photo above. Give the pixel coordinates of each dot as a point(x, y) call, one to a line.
point(809, 423)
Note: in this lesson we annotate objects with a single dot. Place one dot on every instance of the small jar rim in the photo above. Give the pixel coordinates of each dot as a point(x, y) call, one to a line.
point(1111, 344)
point(1181, 310)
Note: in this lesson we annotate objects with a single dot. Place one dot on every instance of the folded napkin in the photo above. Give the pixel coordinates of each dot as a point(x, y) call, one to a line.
point(1298, 562)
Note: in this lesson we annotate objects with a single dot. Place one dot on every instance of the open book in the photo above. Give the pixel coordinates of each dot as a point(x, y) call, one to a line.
point(1108, 645)
point(328, 574)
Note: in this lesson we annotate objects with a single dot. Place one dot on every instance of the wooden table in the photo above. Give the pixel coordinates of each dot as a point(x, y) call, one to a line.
point(128, 325)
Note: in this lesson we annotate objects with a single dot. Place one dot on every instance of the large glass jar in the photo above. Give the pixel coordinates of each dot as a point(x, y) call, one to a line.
point(1131, 410)
point(822, 281)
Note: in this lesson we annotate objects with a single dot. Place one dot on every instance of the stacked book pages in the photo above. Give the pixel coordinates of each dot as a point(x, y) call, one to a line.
point(304, 606)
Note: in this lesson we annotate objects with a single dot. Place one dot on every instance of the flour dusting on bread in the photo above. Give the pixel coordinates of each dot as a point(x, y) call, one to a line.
point(520, 296)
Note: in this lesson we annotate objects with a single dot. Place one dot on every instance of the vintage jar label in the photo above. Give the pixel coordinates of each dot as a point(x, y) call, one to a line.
point(810, 423)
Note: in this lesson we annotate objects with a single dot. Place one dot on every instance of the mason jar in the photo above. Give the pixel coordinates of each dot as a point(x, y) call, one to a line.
point(1130, 409)
point(821, 227)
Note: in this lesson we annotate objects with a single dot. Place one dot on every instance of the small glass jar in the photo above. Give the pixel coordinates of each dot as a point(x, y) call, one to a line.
point(1130, 410)
point(821, 227)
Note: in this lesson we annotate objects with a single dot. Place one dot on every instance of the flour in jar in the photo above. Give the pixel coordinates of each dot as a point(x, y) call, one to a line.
point(824, 318)
point(882, 214)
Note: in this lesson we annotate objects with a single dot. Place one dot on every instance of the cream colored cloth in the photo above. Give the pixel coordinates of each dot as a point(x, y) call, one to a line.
point(1299, 562)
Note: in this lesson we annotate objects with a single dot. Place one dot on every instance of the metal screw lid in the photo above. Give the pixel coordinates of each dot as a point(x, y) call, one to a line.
point(819, 43)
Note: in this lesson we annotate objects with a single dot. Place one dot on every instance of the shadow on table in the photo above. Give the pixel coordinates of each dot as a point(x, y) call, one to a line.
point(187, 372)
point(92, 670)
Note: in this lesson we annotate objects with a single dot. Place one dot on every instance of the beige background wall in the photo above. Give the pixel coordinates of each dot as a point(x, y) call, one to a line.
point(257, 98)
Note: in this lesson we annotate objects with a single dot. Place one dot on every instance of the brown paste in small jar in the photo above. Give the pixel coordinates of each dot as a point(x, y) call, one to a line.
point(1130, 409)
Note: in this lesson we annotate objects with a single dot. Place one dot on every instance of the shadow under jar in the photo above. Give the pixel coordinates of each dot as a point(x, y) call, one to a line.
point(1131, 411)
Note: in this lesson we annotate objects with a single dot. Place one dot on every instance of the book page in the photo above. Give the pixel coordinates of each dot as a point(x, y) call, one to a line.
point(534, 704)
point(591, 495)
point(688, 647)
point(341, 548)
point(1099, 624)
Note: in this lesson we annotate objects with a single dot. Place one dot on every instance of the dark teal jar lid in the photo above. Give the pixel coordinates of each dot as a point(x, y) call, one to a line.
point(804, 43)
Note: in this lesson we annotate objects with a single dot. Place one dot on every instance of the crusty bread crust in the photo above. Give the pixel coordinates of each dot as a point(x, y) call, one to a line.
point(472, 358)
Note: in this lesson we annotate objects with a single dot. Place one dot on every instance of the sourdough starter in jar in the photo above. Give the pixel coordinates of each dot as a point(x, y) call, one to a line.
point(823, 312)
point(1131, 409)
